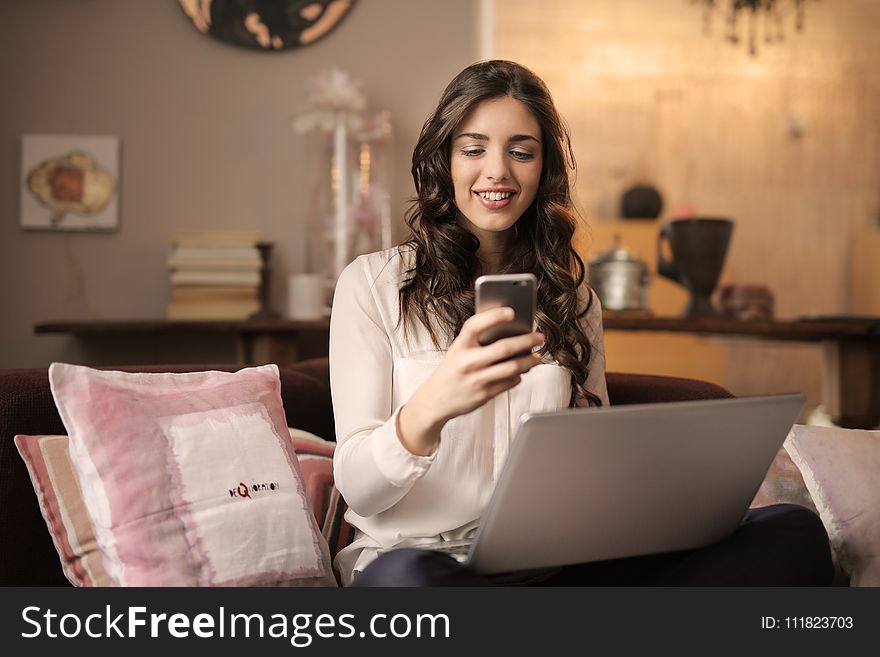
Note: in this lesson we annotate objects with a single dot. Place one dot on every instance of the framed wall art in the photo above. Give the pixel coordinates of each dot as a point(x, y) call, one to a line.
point(69, 182)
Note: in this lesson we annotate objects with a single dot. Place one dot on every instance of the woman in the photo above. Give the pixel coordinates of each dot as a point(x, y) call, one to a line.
point(424, 413)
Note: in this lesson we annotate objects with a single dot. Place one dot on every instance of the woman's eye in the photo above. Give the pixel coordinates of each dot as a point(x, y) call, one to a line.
point(472, 152)
point(522, 155)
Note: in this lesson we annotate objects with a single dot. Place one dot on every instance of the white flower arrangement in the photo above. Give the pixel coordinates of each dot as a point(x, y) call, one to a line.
point(330, 94)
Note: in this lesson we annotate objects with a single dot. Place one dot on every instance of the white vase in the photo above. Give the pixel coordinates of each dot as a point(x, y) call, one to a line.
point(306, 296)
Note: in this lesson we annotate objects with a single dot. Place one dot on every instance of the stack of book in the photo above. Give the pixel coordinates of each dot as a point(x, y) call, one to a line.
point(214, 275)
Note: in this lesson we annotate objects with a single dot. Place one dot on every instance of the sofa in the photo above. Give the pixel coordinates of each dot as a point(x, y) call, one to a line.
point(29, 557)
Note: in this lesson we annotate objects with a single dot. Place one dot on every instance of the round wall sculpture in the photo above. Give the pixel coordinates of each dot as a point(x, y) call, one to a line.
point(266, 24)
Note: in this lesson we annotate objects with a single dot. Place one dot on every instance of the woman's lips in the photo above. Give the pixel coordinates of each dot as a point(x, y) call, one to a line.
point(494, 205)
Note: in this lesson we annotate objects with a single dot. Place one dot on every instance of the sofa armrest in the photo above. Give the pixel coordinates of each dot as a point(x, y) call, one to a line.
point(651, 389)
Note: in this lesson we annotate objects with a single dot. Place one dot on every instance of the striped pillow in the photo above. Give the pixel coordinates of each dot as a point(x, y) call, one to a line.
point(61, 501)
point(316, 463)
point(60, 497)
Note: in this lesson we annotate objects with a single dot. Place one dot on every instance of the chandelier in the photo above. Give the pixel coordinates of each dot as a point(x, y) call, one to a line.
point(763, 17)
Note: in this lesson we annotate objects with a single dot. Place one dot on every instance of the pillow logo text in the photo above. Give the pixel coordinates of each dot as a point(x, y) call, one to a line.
point(243, 490)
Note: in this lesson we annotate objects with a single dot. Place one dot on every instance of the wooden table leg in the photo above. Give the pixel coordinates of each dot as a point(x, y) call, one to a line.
point(851, 382)
point(244, 350)
point(261, 348)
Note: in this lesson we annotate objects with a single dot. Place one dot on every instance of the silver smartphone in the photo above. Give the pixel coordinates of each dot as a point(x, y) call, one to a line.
point(515, 290)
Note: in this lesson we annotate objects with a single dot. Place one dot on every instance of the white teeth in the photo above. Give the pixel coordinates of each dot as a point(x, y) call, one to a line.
point(495, 196)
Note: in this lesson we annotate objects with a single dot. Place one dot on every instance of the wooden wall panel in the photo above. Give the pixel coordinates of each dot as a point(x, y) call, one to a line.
point(865, 272)
point(786, 143)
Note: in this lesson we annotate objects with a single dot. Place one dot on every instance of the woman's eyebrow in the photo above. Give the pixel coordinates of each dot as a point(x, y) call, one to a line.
point(473, 135)
point(524, 138)
point(481, 137)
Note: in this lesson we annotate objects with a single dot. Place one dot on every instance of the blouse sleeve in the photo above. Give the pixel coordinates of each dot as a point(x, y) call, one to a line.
point(372, 468)
point(593, 329)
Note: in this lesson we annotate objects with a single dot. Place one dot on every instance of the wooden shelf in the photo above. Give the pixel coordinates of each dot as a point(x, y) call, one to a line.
point(91, 326)
point(851, 365)
point(258, 341)
point(811, 329)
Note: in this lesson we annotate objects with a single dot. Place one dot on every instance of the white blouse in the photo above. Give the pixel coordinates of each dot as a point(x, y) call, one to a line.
point(396, 498)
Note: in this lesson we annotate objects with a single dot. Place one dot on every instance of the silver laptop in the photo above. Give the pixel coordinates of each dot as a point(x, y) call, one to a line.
point(584, 485)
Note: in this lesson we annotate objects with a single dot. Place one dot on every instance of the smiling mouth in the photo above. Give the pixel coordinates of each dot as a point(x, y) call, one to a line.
point(495, 200)
point(495, 196)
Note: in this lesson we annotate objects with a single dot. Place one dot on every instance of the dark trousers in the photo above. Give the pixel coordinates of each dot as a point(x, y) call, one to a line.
point(779, 545)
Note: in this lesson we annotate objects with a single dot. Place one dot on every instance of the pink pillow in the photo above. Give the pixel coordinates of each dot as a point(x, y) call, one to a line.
point(840, 469)
point(61, 502)
point(190, 479)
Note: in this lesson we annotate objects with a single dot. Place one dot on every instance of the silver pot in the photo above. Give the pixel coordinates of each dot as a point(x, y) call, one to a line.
point(619, 278)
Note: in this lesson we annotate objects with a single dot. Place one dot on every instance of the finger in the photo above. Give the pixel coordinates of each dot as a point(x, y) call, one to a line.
point(475, 325)
point(500, 386)
point(525, 363)
point(505, 348)
point(505, 370)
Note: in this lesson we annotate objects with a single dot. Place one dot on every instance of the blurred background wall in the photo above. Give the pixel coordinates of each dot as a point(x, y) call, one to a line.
point(786, 142)
point(206, 142)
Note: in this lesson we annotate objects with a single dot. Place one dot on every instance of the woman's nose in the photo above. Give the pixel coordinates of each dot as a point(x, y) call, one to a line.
point(497, 167)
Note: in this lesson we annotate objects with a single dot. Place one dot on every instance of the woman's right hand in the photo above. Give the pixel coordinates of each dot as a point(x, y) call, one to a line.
point(468, 376)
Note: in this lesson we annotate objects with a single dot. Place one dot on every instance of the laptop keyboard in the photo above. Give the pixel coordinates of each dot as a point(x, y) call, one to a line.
point(460, 549)
point(457, 549)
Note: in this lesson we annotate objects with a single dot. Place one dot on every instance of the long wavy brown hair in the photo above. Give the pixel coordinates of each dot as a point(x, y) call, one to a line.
point(438, 291)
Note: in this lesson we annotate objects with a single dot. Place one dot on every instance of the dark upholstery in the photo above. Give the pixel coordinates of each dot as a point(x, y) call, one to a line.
point(650, 389)
point(26, 407)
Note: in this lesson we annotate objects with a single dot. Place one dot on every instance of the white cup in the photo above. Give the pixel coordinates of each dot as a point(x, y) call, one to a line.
point(305, 296)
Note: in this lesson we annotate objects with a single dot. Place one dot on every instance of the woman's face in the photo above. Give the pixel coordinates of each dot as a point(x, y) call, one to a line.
point(496, 163)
